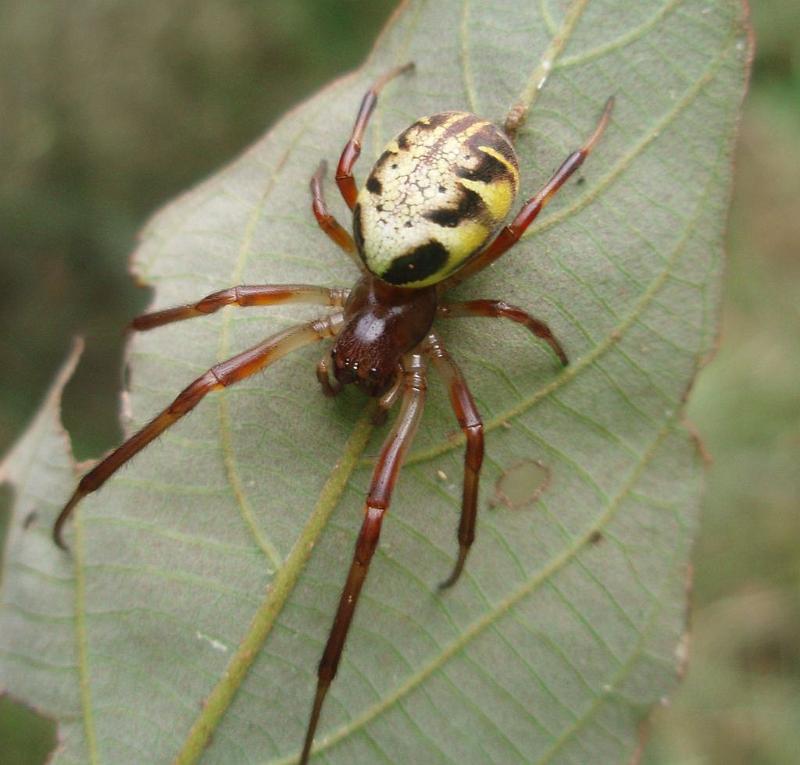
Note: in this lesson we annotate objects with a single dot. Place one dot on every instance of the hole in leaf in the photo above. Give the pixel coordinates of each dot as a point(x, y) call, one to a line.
point(522, 484)
point(28, 737)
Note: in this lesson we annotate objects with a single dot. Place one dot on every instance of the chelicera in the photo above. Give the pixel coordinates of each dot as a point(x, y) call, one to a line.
point(429, 215)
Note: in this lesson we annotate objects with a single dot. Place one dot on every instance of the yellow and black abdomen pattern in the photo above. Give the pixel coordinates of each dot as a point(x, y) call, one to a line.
point(436, 195)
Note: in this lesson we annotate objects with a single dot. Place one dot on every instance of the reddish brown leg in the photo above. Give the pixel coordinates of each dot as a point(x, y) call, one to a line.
point(510, 234)
point(380, 494)
point(352, 149)
point(470, 421)
point(501, 309)
point(327, 222)
point(244, 296)
point(219, 376)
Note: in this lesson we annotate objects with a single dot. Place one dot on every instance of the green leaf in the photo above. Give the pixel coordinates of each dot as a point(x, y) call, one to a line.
point(39, 625)
point(203, 579)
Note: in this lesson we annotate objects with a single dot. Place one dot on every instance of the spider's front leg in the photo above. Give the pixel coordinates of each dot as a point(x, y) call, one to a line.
point(244, 296)
point(219, 376)
point(387, 468)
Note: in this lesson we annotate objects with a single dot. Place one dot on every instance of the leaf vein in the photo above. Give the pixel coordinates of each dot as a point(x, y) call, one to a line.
point(623, 40)
point(285, 579)
point(613, 337)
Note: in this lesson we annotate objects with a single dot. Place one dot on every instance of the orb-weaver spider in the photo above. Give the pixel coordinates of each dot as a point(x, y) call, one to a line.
point(424, 221)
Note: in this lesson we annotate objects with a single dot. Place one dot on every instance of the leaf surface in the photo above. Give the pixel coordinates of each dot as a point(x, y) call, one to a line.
point(204, 577)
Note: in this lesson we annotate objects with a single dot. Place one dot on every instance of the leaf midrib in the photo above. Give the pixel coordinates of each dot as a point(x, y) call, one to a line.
point(218, 701)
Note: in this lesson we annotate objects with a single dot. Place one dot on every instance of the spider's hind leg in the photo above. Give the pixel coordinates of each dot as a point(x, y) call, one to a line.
point(471, 424)
point(327, 221)
point(352, 149)
point(509, 235)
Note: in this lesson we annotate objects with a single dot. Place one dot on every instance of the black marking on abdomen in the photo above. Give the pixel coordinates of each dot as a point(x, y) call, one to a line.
point(382, 160)
point(490, 136)
point(374, 185)
point(358, 234)
point(432, 122)
point(470, 207)
point(460, 125)
point(489, 169)
point(419, 264)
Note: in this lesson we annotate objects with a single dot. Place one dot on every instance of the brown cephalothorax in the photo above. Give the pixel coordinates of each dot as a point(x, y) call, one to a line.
point(382, 324)
point(429, 215)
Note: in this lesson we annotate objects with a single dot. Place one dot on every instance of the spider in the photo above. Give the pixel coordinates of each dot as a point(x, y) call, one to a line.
point(429, 215)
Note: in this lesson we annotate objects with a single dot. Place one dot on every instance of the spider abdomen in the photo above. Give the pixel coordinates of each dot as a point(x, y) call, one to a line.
point(436, 195)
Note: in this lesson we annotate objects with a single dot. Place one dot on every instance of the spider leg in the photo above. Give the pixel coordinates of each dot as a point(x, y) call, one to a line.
point(219, 376)
point(384, 477)
point(509, 235)
point(244, 296)
point(501, 309)
point(352, 149)
point(326, 220)
point(470, 421)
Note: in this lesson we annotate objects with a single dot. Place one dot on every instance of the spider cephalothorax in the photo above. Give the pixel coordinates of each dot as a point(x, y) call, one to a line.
point(383, 323)
point(428, 216)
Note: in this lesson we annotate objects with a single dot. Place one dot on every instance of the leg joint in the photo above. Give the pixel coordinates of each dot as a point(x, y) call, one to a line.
point(327, 326)
point(475, 446)
point(338, 296)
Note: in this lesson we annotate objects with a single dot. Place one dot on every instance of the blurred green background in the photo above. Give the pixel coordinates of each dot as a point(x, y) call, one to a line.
point(110, 109)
